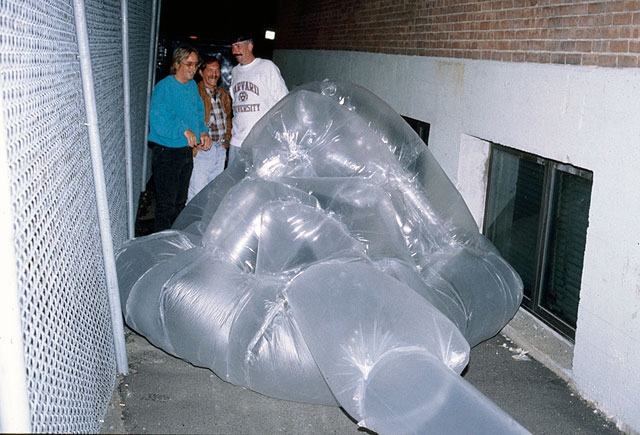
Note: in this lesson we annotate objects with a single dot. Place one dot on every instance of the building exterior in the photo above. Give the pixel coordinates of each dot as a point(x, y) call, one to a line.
point(531, 108)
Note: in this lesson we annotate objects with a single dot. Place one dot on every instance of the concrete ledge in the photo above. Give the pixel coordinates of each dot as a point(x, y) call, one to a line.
point(542, 343)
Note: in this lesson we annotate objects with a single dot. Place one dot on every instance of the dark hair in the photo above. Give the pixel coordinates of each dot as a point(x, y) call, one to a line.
point(209, 59)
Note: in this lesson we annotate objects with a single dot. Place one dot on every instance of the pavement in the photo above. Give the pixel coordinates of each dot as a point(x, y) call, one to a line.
point(162, 394)
point(525, 370)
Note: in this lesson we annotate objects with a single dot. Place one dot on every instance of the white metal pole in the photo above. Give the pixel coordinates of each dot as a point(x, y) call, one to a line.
point(153, 56)
point(126, 86)
point(14, 398)
point(101, 190)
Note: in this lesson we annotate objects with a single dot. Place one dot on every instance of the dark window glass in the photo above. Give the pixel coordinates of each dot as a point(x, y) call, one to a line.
point(515, 195)
point(420, 127)
point(560, 292)
point(537, 216)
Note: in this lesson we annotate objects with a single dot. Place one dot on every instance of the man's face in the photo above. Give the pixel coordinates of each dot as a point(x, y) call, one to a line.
point(187, 69)
point(243, 52)
point(210, 75)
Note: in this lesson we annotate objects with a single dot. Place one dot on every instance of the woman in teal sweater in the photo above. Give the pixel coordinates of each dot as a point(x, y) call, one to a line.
point(176, 126)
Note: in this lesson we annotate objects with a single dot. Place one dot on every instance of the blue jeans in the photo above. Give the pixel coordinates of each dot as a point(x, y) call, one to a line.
point(207, 165)
point(172, 169)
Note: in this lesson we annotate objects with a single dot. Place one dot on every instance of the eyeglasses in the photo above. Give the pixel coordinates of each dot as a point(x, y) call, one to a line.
point(190, 64)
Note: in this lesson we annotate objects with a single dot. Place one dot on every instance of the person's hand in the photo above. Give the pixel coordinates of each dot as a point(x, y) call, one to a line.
point(191, 138)
point(225, 144)
point(205, 142)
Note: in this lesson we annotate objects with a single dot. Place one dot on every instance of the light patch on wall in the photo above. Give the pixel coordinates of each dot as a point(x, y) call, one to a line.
point(472, 174)
point(454, 71)
point(270, 34)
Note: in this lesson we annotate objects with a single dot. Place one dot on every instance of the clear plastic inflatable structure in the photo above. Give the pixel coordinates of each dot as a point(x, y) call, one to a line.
point(333, 263)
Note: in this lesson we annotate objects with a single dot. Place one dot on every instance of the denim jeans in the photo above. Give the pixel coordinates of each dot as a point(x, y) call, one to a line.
point(207, 165)
point(172, 169)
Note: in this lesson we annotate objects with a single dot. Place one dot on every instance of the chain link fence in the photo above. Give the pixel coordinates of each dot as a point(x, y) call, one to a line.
point(68, 201)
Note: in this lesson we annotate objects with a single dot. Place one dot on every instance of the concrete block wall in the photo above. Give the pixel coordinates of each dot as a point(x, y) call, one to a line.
point(557, 79)
point(583, 116)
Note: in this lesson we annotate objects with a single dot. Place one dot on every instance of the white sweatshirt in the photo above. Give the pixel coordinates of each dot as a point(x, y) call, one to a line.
point(255, 88)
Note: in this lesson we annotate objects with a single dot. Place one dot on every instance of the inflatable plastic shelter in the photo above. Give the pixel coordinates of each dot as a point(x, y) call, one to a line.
point(332, 263)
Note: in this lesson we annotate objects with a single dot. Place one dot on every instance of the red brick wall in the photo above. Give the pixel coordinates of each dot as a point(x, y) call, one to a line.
point(604, 33)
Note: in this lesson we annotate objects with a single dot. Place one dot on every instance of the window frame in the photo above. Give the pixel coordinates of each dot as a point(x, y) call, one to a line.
point(542, 258)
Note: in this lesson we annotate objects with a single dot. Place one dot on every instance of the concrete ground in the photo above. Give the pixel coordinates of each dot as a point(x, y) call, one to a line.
point(525, 370)
point(162, 395)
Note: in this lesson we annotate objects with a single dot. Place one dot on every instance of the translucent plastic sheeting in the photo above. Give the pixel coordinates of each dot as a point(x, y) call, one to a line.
point(333, 263)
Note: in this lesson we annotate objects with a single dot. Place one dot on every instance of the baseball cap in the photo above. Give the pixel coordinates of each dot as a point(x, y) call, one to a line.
point(243, 37)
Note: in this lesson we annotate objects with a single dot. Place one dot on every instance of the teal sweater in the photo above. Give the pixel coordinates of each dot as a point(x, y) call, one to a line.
point(175, 107)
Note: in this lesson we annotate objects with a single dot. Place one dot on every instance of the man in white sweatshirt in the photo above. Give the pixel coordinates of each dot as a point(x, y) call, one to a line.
point(256, 86)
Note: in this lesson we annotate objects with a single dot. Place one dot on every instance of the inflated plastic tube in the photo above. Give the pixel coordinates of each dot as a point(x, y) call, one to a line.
point(405, 144)
point(236, 227)
point(137, 256)
point(195, 217)
point(279, 149)
point(365, 208)
point(390, 358)
point(242, 330)
point(333, 210)
point(205, 309)
point(483, 283)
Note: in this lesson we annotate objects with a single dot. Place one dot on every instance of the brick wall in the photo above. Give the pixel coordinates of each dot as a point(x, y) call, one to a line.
point(603, 33)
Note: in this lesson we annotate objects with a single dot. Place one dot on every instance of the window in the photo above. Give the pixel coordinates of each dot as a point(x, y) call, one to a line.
point(420, 127)
point(537, 216)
